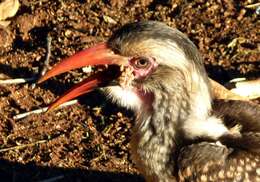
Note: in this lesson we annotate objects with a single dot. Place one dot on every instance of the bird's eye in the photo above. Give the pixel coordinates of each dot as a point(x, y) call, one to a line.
point(141, 63)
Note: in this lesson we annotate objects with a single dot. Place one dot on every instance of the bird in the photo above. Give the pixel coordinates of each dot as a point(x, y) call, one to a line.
point(180, 133)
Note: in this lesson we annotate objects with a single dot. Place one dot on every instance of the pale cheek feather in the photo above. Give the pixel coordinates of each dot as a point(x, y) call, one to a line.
point(124, 97)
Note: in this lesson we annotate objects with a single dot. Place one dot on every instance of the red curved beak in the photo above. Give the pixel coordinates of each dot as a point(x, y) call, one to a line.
point(100, 54)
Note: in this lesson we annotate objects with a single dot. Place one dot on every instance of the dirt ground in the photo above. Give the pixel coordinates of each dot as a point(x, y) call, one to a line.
point(89, 141)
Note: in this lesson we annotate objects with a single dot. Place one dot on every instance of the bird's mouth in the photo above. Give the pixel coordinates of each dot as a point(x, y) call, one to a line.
point(115, 72)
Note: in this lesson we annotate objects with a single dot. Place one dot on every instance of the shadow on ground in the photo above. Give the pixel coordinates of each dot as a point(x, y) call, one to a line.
point(16, 172)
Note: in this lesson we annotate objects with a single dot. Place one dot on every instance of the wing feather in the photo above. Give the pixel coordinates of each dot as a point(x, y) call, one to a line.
point(232, 158)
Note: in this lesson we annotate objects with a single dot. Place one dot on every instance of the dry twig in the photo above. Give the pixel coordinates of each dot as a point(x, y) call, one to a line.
point(252, 6)
point(48, 55)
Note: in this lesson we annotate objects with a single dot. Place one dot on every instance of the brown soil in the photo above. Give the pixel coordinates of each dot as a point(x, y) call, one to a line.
point(89, 141)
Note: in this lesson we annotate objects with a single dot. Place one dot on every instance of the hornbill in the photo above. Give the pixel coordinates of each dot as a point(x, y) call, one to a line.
point(180, 133)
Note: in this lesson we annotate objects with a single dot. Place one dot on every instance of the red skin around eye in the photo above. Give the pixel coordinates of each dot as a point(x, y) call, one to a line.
point(142, 73)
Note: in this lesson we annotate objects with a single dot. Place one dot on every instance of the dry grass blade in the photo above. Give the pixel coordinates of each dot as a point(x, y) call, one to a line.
point(252, 5)
point(44, 109)
point(22, 146)
point(17, 81)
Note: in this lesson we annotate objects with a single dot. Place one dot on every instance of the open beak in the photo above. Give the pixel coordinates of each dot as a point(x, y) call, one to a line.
point(100, 54)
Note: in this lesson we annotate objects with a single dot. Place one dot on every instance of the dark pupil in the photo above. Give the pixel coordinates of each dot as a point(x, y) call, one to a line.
point(142, 62)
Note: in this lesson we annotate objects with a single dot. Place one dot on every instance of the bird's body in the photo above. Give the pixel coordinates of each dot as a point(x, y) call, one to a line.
point(177, 135)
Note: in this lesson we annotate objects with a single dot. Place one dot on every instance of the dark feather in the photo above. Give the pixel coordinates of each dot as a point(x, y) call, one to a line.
point(245, 113)
point(211, 162)
point(236, 158)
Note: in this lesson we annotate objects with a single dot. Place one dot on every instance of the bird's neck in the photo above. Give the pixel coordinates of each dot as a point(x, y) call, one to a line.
point(175, 118)
point(181, 113)
point(154, 137)
point(200, 123)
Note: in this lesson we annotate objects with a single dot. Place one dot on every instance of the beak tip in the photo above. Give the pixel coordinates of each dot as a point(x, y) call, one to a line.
point(42, 79)
point(49, 110)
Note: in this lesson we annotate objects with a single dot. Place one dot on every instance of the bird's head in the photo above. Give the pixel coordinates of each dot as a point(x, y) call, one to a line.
point(144, 61)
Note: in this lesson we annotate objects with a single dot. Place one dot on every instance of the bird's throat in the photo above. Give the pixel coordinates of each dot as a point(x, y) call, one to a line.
point(132, 98)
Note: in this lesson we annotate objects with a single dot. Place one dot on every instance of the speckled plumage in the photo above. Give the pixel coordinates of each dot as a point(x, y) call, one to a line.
point(210, 162)
point(179, 137)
